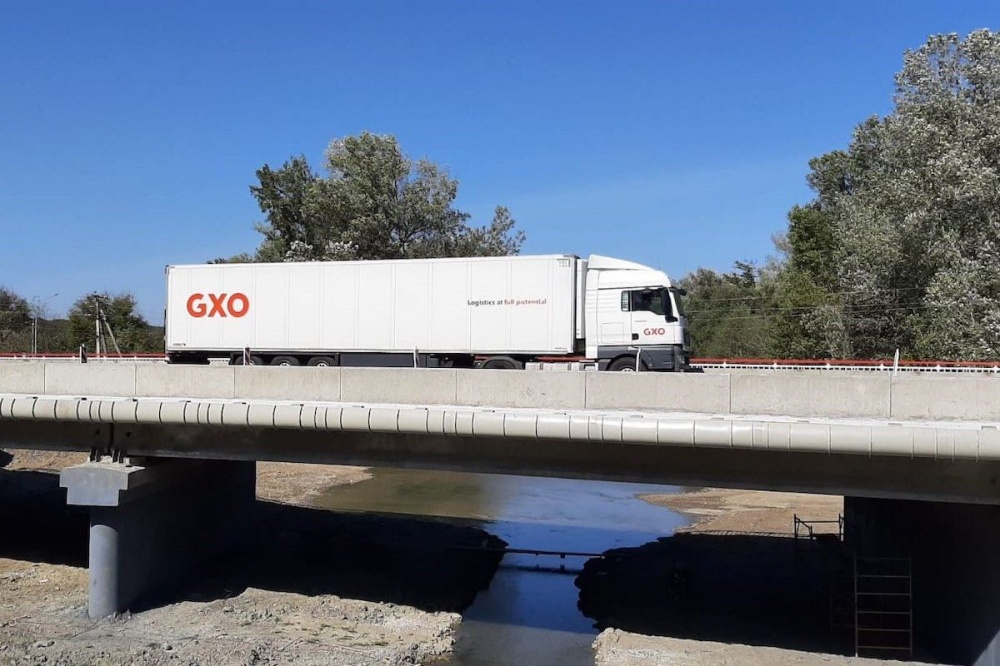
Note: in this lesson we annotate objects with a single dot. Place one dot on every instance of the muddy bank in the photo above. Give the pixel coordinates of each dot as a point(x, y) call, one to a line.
point(309, 586)
point(755, 590)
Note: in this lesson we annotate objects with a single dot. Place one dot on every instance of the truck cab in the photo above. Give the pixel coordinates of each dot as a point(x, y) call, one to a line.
point(634, 318)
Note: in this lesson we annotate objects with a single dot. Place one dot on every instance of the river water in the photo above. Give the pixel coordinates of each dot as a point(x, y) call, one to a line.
point(528, 614)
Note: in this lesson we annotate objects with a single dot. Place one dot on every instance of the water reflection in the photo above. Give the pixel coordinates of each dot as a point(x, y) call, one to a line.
point(525, 616)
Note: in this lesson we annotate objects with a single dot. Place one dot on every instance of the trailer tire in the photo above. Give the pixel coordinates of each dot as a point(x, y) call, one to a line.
point(254, 360)
point(625, 364)
point(322, 362)
point(502, 363)
point(286, 361)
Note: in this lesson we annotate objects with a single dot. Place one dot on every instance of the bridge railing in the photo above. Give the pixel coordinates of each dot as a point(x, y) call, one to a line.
point(806, 529)
point(75, 358)
point(853, 365)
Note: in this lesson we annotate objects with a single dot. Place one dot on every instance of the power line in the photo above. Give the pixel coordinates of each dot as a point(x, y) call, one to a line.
point(735, 299)
point(846, 310)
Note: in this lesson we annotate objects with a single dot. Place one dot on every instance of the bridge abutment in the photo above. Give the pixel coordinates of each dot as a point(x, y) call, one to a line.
point(954, 556)
point(152, 521)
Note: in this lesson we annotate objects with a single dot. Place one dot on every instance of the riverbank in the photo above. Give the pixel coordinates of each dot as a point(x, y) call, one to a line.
point(350, 585)
point(732, 588)
point(313, 588)
point(718, 510)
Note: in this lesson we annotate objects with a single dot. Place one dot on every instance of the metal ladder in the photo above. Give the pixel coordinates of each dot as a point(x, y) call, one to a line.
point(883, 607)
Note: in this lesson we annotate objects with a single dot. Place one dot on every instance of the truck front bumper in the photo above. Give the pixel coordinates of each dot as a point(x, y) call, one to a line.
point(661, 358)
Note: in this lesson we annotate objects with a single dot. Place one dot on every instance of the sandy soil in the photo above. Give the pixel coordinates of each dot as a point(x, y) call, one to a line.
point(299, 483)
point(620, 648)
point(751, 511)
point(43, 594)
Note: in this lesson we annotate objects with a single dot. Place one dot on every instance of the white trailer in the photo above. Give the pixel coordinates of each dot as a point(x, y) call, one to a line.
point(493, 312)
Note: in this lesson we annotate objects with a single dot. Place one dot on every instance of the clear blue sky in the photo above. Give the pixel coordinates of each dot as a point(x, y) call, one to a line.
point(672, 133)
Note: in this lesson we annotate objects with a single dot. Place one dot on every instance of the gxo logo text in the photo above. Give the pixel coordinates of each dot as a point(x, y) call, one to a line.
point(218, 305)
point(654, 331)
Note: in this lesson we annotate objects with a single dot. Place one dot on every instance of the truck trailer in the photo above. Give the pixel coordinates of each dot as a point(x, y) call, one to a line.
point(487, 312)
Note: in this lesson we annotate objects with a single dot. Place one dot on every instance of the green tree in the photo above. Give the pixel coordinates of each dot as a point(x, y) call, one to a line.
point(131, 330)
point(731, 315)
point(374, 203)
point(809, 321)
point(809, 316)
point(15, 322)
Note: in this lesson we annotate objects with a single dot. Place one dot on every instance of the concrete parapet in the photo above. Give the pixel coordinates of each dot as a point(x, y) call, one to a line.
point(946, 397)
point(284, 383)
point(810, 394)
point(529, 388)
point(684, 392)
point(398, 385)
point(185, 381)
point(87, 379)
point(151, 523)
point(785, 393)
point(22, 378)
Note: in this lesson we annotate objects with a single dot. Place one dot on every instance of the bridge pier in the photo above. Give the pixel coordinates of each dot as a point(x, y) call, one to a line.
point(954, 554)
point(152, 521)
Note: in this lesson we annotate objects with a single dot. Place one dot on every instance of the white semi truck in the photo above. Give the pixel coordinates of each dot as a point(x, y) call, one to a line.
point(489, 312)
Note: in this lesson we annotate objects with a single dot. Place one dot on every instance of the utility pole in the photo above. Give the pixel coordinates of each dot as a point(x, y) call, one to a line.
point(100, 324)
point(37, 308)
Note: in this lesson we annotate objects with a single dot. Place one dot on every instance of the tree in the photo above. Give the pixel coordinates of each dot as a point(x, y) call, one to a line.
point(15, 322)
point(731, 315)
point(131, 330)
point(375, 203)
point(900, 246)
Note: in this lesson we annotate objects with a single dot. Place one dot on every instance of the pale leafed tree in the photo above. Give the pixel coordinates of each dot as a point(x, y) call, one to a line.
point(906, 231)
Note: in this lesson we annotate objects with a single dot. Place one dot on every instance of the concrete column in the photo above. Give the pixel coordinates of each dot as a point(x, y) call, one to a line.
point(103, 563)
point(955, 555)
point(152, 523)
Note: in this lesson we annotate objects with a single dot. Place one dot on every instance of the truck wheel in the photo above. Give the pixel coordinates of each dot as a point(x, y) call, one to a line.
point(502, 363)
point(286, 361)
point(254, 360)
point(322, 362)
point(625, 364)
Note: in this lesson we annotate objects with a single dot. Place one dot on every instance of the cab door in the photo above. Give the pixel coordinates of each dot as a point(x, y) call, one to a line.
point(650, 310)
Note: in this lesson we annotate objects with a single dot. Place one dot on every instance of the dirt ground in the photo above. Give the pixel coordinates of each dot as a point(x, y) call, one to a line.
point(720, 510)
point(43, 592)
point(620, 648)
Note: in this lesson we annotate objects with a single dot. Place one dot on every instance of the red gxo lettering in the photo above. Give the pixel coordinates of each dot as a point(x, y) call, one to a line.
point(654, 331)
point(218, 305)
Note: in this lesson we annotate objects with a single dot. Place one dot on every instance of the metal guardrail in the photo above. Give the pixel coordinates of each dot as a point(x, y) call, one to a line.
point(852, 365)
point(91, 358)
point(806, 529)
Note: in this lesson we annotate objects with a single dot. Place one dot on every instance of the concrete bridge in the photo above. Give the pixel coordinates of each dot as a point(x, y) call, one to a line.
point(918, 457)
